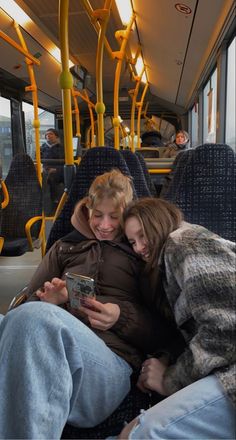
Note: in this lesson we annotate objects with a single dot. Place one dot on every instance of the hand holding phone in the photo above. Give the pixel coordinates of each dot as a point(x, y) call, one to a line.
point(79, 288)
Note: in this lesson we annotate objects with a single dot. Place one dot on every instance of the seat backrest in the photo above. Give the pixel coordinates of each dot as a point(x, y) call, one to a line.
point(171, 183)
point(136, 172)
point(204, 188)
point(147, 176)
point(25, 198)
point(95, 161)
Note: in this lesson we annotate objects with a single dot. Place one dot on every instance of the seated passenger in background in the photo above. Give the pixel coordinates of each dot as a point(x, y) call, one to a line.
point(53, 149)
point(197, 271)
point(181, 143)
point(62, 364)
point(151, 139)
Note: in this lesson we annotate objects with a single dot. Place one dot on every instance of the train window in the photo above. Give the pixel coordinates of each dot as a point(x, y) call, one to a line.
point(194, 125)
point(47, 120)
point(230, 96)
point(5, 135)
point(209, 109)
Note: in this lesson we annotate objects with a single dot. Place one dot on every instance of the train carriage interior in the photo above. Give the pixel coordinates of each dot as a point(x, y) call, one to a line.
point(125, 79)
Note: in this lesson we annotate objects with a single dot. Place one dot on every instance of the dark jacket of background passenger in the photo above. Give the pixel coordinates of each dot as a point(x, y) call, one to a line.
point(55, 151)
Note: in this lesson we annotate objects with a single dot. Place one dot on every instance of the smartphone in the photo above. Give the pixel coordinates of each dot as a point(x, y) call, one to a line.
point(79, 287)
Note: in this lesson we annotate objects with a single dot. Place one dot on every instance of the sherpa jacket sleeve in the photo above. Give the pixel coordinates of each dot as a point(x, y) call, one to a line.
point(200, 286)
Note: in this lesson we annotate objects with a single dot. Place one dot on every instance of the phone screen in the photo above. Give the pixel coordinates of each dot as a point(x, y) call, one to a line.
point(79, 287)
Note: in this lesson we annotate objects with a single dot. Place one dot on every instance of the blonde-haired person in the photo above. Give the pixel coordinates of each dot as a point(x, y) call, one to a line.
point(181, 143)
point(56, 367)
point(197, 271)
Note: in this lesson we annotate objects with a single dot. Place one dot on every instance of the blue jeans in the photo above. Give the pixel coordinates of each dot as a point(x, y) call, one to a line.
point(54, 369)
point(201, 411)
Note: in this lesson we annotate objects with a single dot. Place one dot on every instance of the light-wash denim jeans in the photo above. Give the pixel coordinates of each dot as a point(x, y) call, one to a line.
point(201, 411)
point(54, 369)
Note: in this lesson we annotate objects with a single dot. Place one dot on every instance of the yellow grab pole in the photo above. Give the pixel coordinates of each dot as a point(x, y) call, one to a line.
point(19, 48)
point(84, 97)
point(103, 15)
point(96, 25)
point(134, 98)
point(140, 106)
point(119, 55)
point(36, 124)
point(123, 135)
point(77, 114)
point(66, 81)
point(90, 106)
point(32, 88)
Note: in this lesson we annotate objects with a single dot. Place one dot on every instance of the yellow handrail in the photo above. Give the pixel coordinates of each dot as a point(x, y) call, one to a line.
point(1, 243)
point(28, 227)
point(19, 48)
point(84, 97)
point(91, 106)
point(140, 106)
point(134, 97)
point(119, 55)
point(32, 88)
point(66, 81)
point(159, 170)
point(5, 194)
point(103, 16)
point(77, 113)
point(96, 24)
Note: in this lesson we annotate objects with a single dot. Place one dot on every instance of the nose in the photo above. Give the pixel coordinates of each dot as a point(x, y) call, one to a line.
point(105, 223)
point(140, 246)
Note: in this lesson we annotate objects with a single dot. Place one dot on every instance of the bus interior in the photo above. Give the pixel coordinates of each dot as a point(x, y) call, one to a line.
point(102, 77)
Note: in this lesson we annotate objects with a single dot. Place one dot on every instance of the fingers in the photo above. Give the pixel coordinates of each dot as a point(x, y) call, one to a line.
point(57, 282)
point(98, 324)
point(39, 293)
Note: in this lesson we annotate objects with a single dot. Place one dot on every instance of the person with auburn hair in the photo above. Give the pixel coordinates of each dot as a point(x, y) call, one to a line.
point(75, 367)
point(196, 270)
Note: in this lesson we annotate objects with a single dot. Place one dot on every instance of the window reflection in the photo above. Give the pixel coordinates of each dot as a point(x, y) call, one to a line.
point(47, 120)
point(230, 96)
point(5, 135)
point(209, 109)
point(194, 125)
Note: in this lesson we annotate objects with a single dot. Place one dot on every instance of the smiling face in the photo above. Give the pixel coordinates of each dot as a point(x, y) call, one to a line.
point(105, 220)
point(135, 234)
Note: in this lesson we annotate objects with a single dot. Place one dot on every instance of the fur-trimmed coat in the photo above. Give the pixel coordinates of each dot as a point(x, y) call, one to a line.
point(199, 282)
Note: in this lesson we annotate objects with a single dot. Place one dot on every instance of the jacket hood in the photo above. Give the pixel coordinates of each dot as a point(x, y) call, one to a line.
point(80, 219)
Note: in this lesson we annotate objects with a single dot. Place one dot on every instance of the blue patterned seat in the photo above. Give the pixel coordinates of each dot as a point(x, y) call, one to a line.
point(203, 186)
point(147, 176)
point(95, 161)
point(136, 172)
point(179, 165)
point(25, 202)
